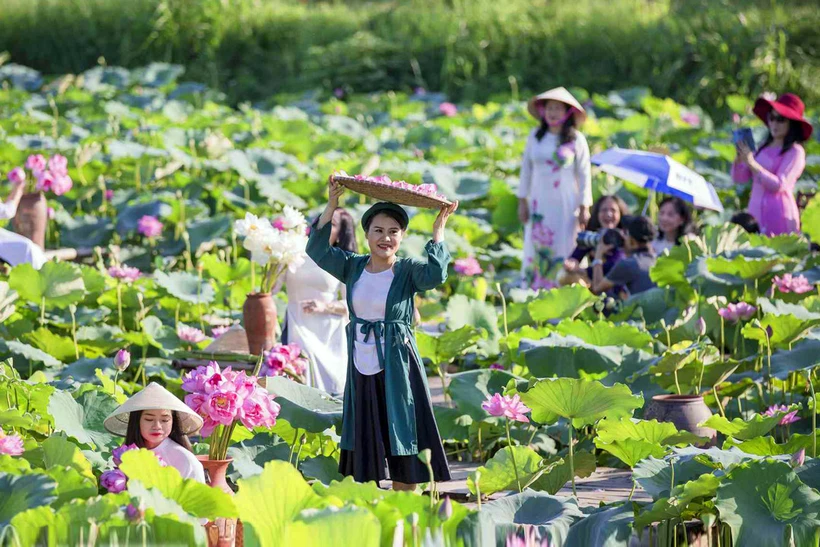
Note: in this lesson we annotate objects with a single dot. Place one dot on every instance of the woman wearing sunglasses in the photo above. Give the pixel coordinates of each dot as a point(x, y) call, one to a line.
point(777, 165)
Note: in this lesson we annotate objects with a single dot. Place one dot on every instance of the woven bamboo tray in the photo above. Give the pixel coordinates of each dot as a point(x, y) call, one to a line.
point(393, 194)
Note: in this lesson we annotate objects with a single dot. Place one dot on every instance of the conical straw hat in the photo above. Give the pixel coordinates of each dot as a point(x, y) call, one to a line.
point(562, 95)
point(153, 397)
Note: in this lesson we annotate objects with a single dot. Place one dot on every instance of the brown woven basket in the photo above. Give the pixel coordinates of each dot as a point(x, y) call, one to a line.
point(383, 192)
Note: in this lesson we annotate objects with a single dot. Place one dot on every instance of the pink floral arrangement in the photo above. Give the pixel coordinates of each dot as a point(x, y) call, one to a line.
point(124, 273)
point(285, 360)
point(787, 283)
point(467, 266)
point(736, 312)
point(47, 175)
point(11, 445)
point(149, 227)
point(224, 398)
point(430, 190)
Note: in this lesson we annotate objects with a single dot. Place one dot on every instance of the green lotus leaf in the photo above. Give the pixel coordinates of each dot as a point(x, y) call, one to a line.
point(785, 244)
point(785, 329)
point(170, 521)
point(196, 498)
point(604, 333)
point(453, 424)
point(582, 401)
point(60, 284)
point(58, 451)
point(251, 455)
point(741, 429)
point(631, 451)
point(312, 409)
point(559, 474)
point(325, 469)
point(675, 358)
point(497, 473)
point(22, 492)
point(271, 515)
point(28, 524)
point(186, 286)
point(83, 418)
point(742, 266)
point(15, 347)
point(604, 527)
point(7, 299)
point(348, 490)
point(810, 218)
point(664, 510)
point(550, 516)
point(655, 475)
point(71, 485)
point(779, 307)
point(704, 486)
point(156, 334)
point(85, 231)
point(651, 431)
point(766, 446)
point(463, 311)
point(60, 347)
point(447, 346)
point(560, 303)
point(470, 389)
point(349, 526)
point(764, 502)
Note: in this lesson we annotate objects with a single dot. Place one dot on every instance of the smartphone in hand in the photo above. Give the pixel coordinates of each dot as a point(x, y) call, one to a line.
point(744, 134)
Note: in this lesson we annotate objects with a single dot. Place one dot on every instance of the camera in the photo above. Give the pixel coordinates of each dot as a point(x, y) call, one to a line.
point(589, 240)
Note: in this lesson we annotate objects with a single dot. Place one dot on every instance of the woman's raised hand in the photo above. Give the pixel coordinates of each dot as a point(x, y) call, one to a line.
point(334, 191)
point(441, 221)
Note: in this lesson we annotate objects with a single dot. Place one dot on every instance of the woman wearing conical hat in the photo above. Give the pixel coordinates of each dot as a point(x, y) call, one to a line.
point(555, 192)
point(157, 420)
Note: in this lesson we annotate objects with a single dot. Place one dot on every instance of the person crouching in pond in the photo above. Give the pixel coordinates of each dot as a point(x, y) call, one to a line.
point(157, 420)
point(388, 417)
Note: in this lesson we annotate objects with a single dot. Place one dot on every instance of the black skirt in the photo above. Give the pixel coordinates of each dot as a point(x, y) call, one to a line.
point(371, 460)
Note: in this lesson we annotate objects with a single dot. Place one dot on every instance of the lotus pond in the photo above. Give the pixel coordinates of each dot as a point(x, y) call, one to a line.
point(735, 318)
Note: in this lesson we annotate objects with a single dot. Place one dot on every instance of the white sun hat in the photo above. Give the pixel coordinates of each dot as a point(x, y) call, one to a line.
point(153, 397)
point(559, 94)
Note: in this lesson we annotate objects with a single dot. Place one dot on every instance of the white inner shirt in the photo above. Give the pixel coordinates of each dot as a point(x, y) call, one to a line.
point(369, 303)
point(181, 458)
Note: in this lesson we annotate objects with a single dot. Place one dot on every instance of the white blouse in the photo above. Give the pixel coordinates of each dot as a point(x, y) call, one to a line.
point(7, 210)
point(369, 303)
point(180, 458)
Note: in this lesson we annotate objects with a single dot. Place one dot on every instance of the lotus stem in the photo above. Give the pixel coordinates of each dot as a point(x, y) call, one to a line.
point(477, 489)
point(512, 454)
point(717, 400)
point(632, 491)
point(677, 384)
point(43, 311)
point(73, 310)
point(722, 339)
point(480, 452)
point(813, 416)
point(503, 308)
point(572, 461)
point(293, 446)
point(258, 366)
point(119, 304)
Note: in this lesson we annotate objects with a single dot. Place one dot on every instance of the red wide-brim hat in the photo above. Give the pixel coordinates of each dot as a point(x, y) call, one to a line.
point(787, 105)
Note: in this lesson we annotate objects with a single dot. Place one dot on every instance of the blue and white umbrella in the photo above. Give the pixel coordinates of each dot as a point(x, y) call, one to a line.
point(659, 173)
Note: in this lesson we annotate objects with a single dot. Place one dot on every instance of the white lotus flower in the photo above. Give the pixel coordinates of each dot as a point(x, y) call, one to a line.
point(251, 225)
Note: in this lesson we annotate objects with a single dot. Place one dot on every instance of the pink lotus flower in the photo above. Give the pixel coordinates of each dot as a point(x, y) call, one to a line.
point(789, 418)
point(787, 283)
point(691, 118)
point(192, 335)
point(58, 165)
point(134, 513)
point(45, 181)
point(222, 406)
point(448, 109)
point(216, 332)
point(798, 458)
point(50, 213)
point(259, 410)
point(203, 379)
point(36, 163)
point(496, 366)
point(529, 539)
point(424, 189)
point(735, 312)
point(122, 360)
point(467, 266)
point(149, 226)
point(108, 195)
point(62, 184)
point(17, 175)
point(11, 445)
point(509, 407)
point(736, 118)
point(284, 360)
point(114, 481)
point(120, 450)
point(124, 273)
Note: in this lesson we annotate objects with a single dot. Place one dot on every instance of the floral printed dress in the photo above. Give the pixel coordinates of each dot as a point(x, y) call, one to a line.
point(555, 181)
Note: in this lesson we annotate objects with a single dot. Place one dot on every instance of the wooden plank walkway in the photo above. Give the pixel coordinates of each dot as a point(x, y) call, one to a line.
point(606, 484)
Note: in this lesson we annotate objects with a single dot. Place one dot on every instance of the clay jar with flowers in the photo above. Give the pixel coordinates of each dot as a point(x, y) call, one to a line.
point(39, 175)
point(276, 246)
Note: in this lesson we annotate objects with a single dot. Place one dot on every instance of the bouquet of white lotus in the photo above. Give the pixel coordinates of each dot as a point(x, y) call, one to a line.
point(277, 245)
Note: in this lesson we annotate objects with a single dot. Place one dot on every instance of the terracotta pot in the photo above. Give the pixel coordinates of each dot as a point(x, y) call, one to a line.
point(31, 218)
point(259, 316)
point(222, 532)
point(685, 411)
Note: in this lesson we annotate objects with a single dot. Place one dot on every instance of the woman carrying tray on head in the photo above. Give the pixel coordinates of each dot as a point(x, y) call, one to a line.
point(555, 191)
point(388, 418)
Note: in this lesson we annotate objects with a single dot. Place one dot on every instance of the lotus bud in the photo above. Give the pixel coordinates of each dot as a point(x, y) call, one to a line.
point(425, 456)
point(134, 513)
point(599, 306)
point(769, 332)
point(701, 326)
point(122, 360)
point(798, 458)
point(303, 439)
point(445, 510)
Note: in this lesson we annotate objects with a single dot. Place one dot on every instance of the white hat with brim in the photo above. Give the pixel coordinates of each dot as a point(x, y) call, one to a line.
point(153, 397)
point(559, 94)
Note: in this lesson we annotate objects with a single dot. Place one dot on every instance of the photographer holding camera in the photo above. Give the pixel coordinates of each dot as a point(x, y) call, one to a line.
point(605, 221)
point(633, 271)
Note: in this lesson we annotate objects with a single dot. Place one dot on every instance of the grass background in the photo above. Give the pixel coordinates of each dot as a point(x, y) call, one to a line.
point(695, 51)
